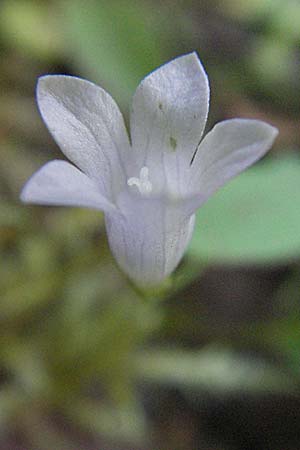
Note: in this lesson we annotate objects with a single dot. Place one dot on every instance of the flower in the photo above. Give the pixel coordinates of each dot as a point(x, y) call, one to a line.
point(149, 187)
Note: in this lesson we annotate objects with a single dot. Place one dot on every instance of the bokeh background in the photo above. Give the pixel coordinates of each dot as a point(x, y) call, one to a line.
point(85, 363)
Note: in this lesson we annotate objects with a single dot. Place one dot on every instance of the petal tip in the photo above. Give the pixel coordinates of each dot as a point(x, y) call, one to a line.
point(43, 87)
point(274, 131)
point(46, 83)
point(270, 130)
point(25, 195)
point(191, 57)
point(44, 80)
point(197, 65)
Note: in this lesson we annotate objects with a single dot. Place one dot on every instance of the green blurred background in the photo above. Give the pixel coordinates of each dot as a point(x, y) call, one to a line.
point(85, 363)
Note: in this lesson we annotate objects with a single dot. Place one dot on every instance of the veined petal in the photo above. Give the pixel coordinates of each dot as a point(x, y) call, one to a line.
point(148, 240)
point(88, 126)
point(60, 183)
point(168, 116)
point(227, 150)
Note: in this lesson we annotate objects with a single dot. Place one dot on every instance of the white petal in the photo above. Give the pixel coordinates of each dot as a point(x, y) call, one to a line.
point(227, 150)
point(87, 125)
point(149, 240)
point(60, 183)
point(168, 115)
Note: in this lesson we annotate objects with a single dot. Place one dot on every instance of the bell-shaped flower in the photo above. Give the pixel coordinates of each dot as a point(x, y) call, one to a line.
point(149, 186)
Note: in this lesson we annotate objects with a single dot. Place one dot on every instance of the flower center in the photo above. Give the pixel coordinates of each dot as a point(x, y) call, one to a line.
point(143, 183)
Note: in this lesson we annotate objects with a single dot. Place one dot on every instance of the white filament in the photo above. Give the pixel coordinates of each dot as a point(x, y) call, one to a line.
point(143, 183)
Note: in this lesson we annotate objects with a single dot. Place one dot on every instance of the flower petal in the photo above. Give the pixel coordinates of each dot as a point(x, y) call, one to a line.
point(60, 183)
point(227, 150)
point(87, 125)
point(168, 116)
point(149, 239)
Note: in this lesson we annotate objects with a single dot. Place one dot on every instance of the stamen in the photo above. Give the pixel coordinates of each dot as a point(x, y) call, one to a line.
point(143, 183)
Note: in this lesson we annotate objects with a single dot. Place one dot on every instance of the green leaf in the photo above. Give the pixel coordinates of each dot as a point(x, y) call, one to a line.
point(254, 219)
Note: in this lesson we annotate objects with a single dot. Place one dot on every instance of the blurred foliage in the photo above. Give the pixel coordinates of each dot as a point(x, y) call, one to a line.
point(72, 327)
point(115, 57)
point(213, 370)
point(31, 27)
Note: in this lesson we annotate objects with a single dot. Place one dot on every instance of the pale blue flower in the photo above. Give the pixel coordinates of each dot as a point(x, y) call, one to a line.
point(149, 187)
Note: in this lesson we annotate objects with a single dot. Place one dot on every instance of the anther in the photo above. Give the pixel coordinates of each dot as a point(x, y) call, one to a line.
point(143, 183)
